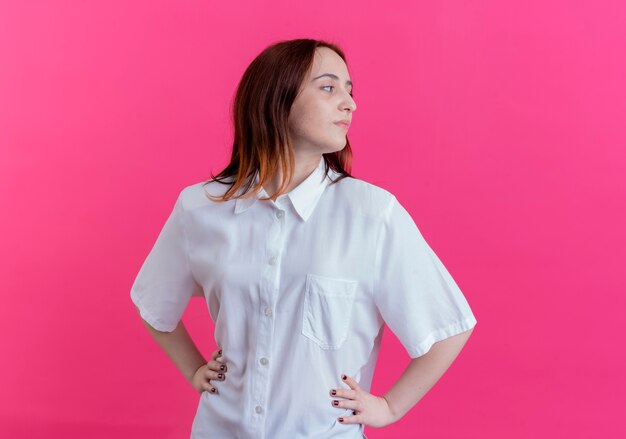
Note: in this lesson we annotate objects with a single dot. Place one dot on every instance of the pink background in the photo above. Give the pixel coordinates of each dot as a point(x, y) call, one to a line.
point(500, 125)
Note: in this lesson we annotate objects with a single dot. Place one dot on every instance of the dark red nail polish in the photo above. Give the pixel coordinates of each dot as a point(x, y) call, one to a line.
point(220, 352)
point(340, 419)
point(335, 403)
point(213, 390)
point(343, 377)
point(334, 392)
point(220, 376)
point(222, 367)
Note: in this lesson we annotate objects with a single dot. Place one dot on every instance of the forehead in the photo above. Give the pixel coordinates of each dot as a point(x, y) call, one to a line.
point(328, 61)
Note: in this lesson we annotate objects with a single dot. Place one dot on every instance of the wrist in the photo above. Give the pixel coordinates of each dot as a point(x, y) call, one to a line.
point(193, 373)
point(393, 417)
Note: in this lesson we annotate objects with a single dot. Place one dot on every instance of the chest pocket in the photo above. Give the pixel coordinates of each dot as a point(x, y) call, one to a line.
point(328, 304)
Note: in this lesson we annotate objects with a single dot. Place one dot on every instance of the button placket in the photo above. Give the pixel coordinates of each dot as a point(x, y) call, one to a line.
point(265, 329)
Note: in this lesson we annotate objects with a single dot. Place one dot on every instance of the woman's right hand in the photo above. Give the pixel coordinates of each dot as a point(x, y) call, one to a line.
point(213, 370)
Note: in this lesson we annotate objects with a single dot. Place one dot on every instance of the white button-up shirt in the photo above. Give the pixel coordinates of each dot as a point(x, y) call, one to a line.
point(299, 290)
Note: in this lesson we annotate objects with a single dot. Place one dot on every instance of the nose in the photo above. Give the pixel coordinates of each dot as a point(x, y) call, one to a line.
point(349, 103)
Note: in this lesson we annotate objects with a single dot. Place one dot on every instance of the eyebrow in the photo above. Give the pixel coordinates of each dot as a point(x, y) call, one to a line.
point(332, 75)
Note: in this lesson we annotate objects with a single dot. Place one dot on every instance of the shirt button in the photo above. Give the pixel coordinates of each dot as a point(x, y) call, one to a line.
point(280, 214)
point(273, 260)
point(268, 311)
point(258, 409)
point(263, 361)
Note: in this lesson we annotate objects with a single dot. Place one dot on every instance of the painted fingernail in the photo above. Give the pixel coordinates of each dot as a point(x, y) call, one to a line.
point(222, 367)
point(333, 392)
point(343, 377)
point(335, 403)
point(220, 352)
point(340, 419)
point(213, 390)
point(220, 376)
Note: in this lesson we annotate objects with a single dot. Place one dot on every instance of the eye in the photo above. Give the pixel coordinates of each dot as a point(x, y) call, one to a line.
point(332, 86)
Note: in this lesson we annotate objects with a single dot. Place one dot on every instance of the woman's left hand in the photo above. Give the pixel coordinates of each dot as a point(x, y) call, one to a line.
point(368, 409)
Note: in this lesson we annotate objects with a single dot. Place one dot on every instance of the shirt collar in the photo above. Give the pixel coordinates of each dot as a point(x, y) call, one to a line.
point(304, 197)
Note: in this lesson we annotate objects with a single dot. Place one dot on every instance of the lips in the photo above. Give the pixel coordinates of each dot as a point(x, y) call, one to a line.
point(343, 124)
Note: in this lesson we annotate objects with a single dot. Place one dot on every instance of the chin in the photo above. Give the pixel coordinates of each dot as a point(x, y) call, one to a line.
point(343, 145)
point(331, 150)
point(339, 146)
point(332, 145)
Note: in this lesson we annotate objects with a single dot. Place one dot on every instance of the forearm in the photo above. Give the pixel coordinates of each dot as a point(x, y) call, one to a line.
point(422, 373)
point(180, 348)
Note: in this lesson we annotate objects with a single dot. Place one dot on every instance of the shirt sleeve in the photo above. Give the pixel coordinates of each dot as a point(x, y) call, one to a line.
point(415, 294)
point(164, 285)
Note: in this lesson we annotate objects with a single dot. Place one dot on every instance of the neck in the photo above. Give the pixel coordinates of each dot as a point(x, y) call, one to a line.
point(303, 168)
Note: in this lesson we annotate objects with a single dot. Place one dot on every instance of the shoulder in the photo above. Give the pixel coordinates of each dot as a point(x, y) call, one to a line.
point(362, 196)
point(197, 194)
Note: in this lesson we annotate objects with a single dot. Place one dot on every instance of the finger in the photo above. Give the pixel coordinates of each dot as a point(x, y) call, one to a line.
point(217, 366)
point(209, 388)
point(343, 393)
point(346, 404)
point(213, 375)
point(216, 353)
point(355, 419)
point(349, 381)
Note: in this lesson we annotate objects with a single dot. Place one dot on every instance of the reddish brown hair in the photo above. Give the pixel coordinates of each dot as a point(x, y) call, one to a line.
point(263, 101)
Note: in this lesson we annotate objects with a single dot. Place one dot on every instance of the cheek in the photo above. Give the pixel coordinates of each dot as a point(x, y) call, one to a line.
point(309, 122)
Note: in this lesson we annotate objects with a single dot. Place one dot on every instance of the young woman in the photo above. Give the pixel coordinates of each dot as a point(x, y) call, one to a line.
point(301, 266)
